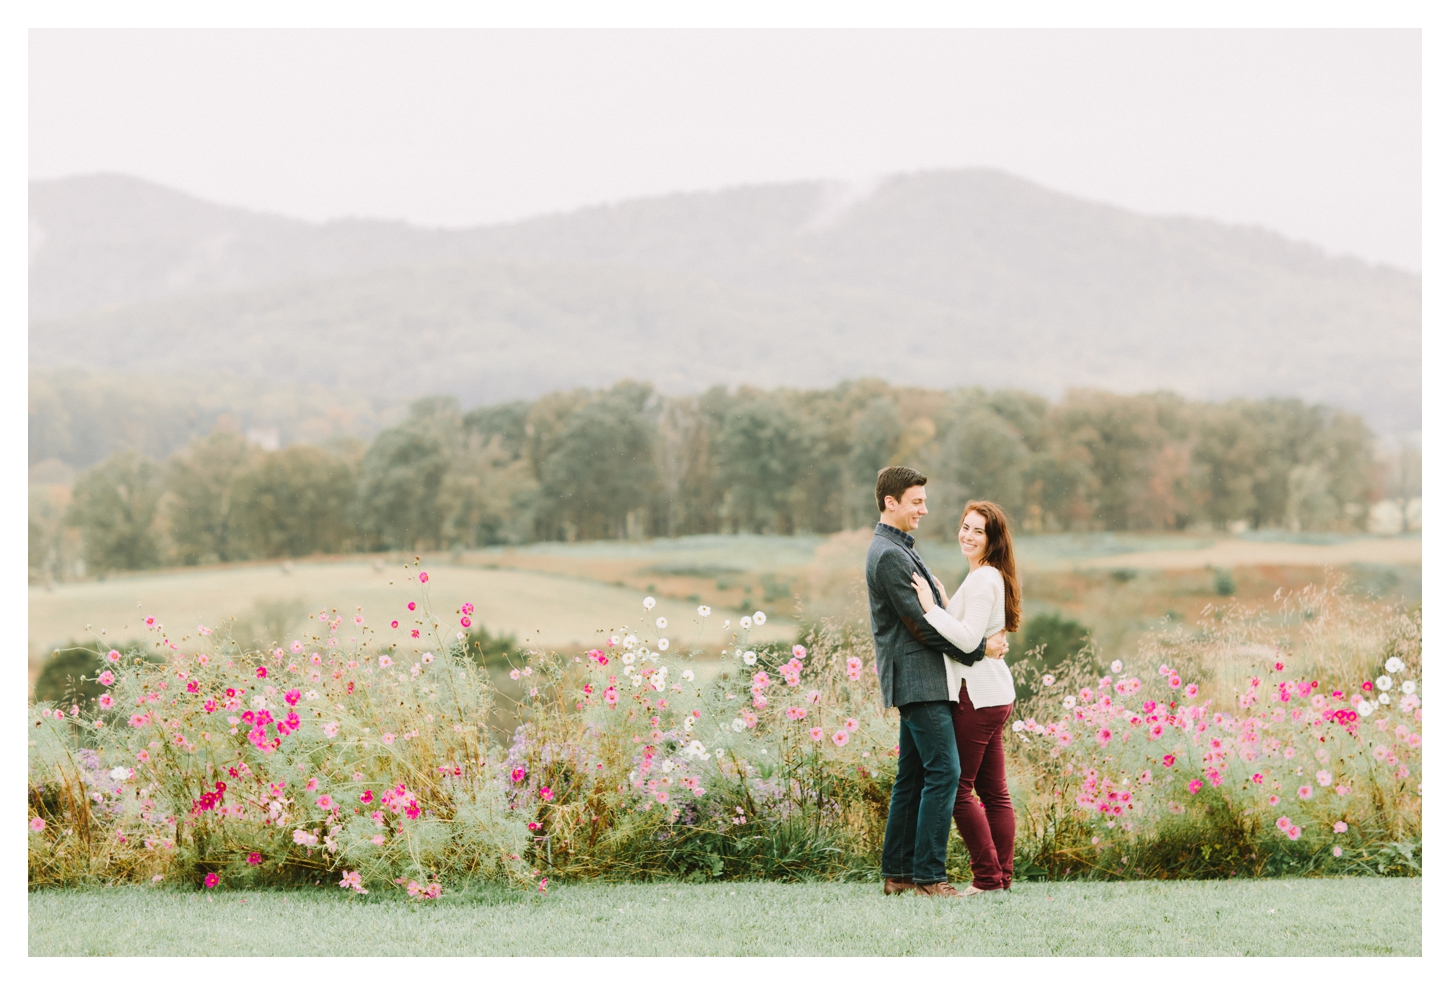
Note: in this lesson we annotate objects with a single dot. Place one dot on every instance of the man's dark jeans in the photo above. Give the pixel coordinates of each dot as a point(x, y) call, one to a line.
point(927, 771)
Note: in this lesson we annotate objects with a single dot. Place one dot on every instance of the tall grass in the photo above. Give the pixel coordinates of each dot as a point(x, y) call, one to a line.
point(375, 759)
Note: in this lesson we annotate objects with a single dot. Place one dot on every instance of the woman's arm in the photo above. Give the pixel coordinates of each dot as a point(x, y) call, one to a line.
point(979, 591)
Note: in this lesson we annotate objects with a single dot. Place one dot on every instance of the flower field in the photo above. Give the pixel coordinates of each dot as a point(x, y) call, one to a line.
point(365, 755)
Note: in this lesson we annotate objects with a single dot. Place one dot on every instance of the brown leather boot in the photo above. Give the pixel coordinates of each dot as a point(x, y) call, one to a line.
point(896, 886)
point(937, 889)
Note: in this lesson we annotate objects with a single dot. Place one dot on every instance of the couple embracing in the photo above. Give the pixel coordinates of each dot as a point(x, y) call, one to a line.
point(940, 665)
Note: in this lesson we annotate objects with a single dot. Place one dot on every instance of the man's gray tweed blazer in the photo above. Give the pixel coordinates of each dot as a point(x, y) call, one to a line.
point(908, 649)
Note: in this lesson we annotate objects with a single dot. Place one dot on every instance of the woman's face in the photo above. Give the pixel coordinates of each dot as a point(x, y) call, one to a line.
point(973, 536)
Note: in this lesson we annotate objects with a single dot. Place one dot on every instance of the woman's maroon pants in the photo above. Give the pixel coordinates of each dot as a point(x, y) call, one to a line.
point(983, 810)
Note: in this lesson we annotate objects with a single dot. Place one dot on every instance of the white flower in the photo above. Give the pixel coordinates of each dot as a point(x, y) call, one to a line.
point(613, 641)
point(663, 644)
point(649, 602)
point(310, 695)
point(1384, 699)
point(749, 658)
point(662, 622)
point(703, 610)
point(720, 753)
point(759, 618)
point(1394, 665)
point(1408, 687)
point(689, 675)
point(744, 622)
point(258, 701)
point(427, 658)
point(1116, 666)
point(461, 635)
point(738, 725)
point(1017, 726)
point(727, 623)
point(629, 657)
point(696, 750)
point(120, 773)
point(628, 642)
point(1383, 683)
point(689, 725)
point(1048, 680)
point(1069, 702)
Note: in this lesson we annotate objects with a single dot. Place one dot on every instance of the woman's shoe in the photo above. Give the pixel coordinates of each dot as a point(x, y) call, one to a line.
point(941, 889)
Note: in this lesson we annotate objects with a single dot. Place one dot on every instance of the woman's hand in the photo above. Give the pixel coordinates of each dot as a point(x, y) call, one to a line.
point(923, 591)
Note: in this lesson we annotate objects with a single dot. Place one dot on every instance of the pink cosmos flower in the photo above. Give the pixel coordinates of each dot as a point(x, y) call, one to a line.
point(817, 734)
point(330, 730)
point(105, 701)
point(388, 738)
point(1340, 827)
point(1293, 832)
point(1258, 778)
point(1305, 792)
point(546, 794)
point(385, 661)
point(795, 714)
point(813, 697)
point(211, 880)
point(325, 802)
point(748, 717)
point(1283, 824)
point(1194, 786)
point(841, 737)
point(1342, 790)
point(1324, 777)
point(1337, 851)
point(1273, 800)
point(465, 622)
point(313, 784)
point(1105, 735)
point(518, 774)
point(377, 839)
point(853, 668)
point(261, 671)
point(395, 624)
point(106, 679)
point(1174, 681)
point(114, 656)
point(412, 606)
point(37, 824)
point(143, 756)
point(852, 725)
point(423, 577)
point(1169, 759)
point(798, 651)
point(1190, 691)
point(254, 858)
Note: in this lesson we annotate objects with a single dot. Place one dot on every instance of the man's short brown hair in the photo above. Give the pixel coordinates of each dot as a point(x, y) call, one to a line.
point(893, 481)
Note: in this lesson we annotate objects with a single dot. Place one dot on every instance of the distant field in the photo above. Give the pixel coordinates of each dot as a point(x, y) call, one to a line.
point(557, 594)
point(550, 609)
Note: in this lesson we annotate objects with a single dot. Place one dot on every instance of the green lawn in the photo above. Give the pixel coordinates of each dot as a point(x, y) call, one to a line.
point(1288, 917)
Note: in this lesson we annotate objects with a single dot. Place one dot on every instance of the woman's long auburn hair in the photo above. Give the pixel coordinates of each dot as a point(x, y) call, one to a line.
point(999, 555)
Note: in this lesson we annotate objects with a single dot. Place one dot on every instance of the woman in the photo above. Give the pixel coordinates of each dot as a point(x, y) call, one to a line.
point(989, 600)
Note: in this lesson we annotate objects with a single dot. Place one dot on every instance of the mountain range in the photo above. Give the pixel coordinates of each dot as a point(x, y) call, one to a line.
point(941, 279)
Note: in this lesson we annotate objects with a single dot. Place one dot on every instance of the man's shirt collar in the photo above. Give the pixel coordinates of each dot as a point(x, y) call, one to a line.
point(897, 533)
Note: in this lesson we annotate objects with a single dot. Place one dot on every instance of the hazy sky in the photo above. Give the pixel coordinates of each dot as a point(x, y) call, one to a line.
point(1315, 134)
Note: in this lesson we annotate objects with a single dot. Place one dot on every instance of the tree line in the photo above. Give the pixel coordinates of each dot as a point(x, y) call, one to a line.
point(628, 461)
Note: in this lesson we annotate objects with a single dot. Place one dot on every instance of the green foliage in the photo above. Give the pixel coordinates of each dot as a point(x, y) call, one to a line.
point(488, 650)
point(296, 502)
point(115, 505)
point(1052, 638)
point(630, 462)
point(201, 483)
point(69, 673)
point(1223, 582)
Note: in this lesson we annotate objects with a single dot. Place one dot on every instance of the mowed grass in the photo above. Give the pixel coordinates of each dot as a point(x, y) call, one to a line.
point(1329, 917)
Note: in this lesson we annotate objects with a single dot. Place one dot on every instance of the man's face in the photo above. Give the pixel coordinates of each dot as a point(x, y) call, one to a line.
point(906, 513)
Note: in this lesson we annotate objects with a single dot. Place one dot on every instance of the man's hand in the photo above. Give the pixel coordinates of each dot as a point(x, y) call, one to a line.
point(997, 646)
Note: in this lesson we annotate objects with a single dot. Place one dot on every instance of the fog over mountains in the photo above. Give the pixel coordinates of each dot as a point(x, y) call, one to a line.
point(941, 279)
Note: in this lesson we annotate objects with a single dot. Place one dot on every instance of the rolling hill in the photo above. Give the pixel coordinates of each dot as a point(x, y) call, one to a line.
point(939, 279)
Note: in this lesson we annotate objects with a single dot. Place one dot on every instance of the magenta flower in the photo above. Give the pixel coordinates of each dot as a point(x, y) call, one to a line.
point(395, 624)
point(423, 577)
point(367, 797)
point(261, 671)
point(1194, 786)
point(467, 608)
point(211, 880)
point(254, 858)
point(292, 697)
point(465, 622)
point(546, 794)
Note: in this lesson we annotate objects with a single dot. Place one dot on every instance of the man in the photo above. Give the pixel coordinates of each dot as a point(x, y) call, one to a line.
point(914, 681)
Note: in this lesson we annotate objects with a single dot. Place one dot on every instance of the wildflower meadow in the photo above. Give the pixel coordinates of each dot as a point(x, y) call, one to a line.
point(375, 755)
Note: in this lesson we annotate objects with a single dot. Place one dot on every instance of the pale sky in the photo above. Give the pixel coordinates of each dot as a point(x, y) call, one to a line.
point(1314, 134)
